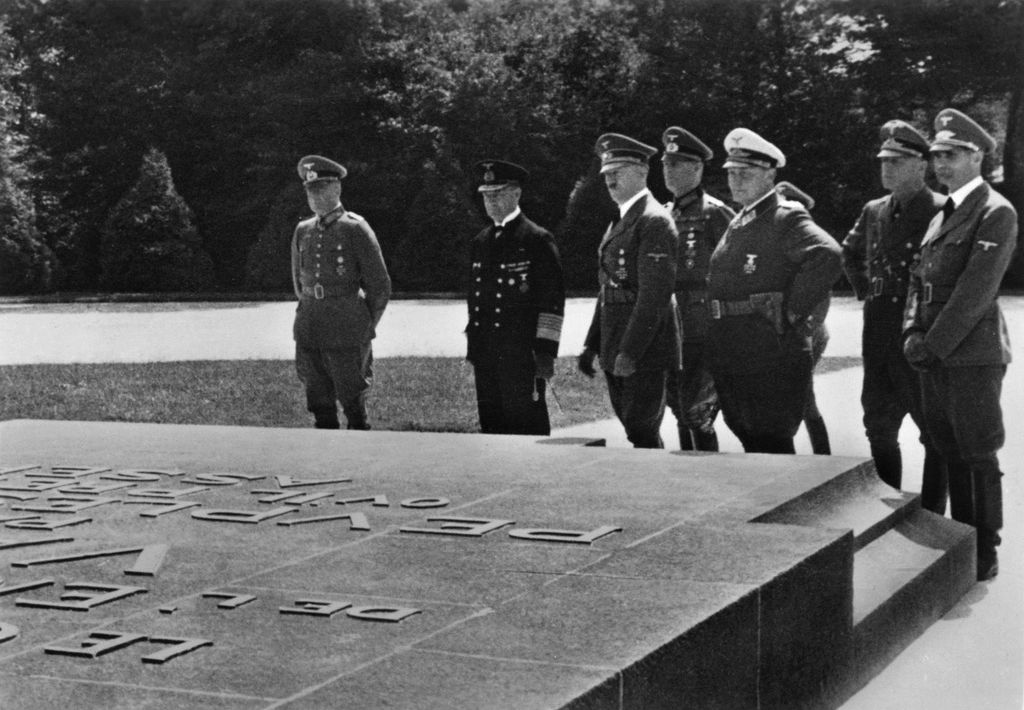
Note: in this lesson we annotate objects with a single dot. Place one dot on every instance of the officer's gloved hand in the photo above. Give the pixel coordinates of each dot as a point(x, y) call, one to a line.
point(543, 365)
point(917, 352)
point(624, 366)
point(585, 362)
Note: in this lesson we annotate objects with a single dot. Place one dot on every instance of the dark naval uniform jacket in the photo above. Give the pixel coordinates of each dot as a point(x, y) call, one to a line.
point(516, 297)
point(953, 289)
point(701, 221)
point(635, 313)
point(341, 281)
point(770, 270)
point(877, 257)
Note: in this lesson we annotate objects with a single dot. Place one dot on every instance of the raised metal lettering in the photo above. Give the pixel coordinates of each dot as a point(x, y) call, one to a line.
point(72, 472)
point(240, 516)
point(392, 614)
point(574, 536)
point(8, 632)
point(289, 482)
point(357, 521)
point(11, 544)
point(222, 479)
point(380, 501)
point(232, 600)
point(98, 643)
point(83, 596)
point(36, 524)
point(315, 607)
point(425, 503)
point(166, 493)
point(472, 527)
point(181, 646)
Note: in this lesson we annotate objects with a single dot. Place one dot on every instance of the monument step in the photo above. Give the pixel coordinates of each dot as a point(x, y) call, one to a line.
point(903, 582)
point(856, 499)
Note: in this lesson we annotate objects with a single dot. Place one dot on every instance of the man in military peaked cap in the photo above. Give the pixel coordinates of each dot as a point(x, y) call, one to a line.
point(877, 257)
point(343, 287)
point(634, 330)
point(516, 304)
point(700, 220)
point(770, 270)
point(954, 331)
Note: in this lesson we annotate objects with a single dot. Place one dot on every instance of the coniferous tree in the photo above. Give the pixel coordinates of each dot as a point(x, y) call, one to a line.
point(149, 241)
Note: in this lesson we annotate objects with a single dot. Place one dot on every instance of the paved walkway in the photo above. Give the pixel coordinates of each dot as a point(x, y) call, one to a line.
point(972, 659)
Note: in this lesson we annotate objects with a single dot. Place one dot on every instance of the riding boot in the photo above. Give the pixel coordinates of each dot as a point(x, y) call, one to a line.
point(888, 463)
point(988, 512)
point(934, 482)
point(704, 440)
point(326, 418)
point(685, 440)
point(961, 491)
point(818, 434)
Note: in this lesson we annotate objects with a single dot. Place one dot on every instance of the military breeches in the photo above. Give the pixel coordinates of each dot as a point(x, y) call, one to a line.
point(509, 399)
point(764, 409)
point(891, 391)
point(965, 423)
point(639, 403)
point(691, 393)
point(336, 376)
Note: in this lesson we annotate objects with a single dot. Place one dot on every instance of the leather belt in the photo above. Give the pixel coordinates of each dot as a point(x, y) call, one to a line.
point(722, 309)
point(687, 296)
point(936, 294)
point(768, 304)
point(617, 295)
point(318, 292)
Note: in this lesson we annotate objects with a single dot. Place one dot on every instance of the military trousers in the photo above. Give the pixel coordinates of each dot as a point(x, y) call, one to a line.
point(509, 398)
point(336, 375)
point(764, 408)
point(639, 403)
point(891, 390)
point(965, 421)
point(691, 396)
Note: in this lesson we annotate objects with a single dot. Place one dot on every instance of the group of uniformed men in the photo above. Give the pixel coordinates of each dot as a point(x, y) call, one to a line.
point(710, 310)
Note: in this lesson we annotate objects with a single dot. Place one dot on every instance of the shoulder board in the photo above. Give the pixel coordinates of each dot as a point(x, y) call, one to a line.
point(354, 216)
point(712, 200)
point(792, 205)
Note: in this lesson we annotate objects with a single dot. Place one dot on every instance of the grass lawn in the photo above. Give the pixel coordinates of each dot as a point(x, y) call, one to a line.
point(409, 393)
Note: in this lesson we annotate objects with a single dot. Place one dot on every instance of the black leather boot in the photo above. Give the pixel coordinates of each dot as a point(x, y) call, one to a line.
point(818, 433)
point(888, 463)
point(934, 482)
point(326, 418)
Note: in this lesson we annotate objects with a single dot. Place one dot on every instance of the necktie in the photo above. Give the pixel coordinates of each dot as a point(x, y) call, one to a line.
point(947, 209)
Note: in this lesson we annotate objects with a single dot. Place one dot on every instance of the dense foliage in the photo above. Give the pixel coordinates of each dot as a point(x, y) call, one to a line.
point(409, 94)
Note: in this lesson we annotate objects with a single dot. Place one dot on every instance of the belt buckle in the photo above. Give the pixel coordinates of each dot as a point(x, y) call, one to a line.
point(716, 308)
point(318, 292)
point(927, 293)
point(877, 285)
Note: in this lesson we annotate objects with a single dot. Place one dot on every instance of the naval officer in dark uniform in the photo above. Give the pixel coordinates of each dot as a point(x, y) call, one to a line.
point(516, 304)
point(343, 287)
point(773, 266)
point(954, 331)
point(634, 331)
point(877, 256)
point(701, 220)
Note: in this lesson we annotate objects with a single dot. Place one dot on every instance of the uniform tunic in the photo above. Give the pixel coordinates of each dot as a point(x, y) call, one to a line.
point(343, 288)
point(877, 256)
point(516, 304)
point(767, 274)
point(635, 315)
point(953, 302)
point(701, 220)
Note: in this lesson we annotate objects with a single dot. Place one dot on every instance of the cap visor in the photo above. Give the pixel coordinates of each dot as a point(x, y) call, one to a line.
point(896, 153)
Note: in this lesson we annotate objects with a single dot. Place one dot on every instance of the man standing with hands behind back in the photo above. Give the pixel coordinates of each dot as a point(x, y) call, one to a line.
point(634, 331)
point(343, 287)
point(877, 257)
point(700, 220)
point(516, 303)
point(955, 333)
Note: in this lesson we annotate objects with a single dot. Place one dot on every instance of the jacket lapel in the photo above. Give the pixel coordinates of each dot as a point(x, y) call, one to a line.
point(963, 212)
point(632, 215)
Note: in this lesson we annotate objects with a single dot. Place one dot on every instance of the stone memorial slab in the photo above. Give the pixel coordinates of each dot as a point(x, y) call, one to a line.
point(176, 567)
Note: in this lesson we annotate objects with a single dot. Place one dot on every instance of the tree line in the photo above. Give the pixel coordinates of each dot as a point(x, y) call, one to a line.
point(150, 145)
